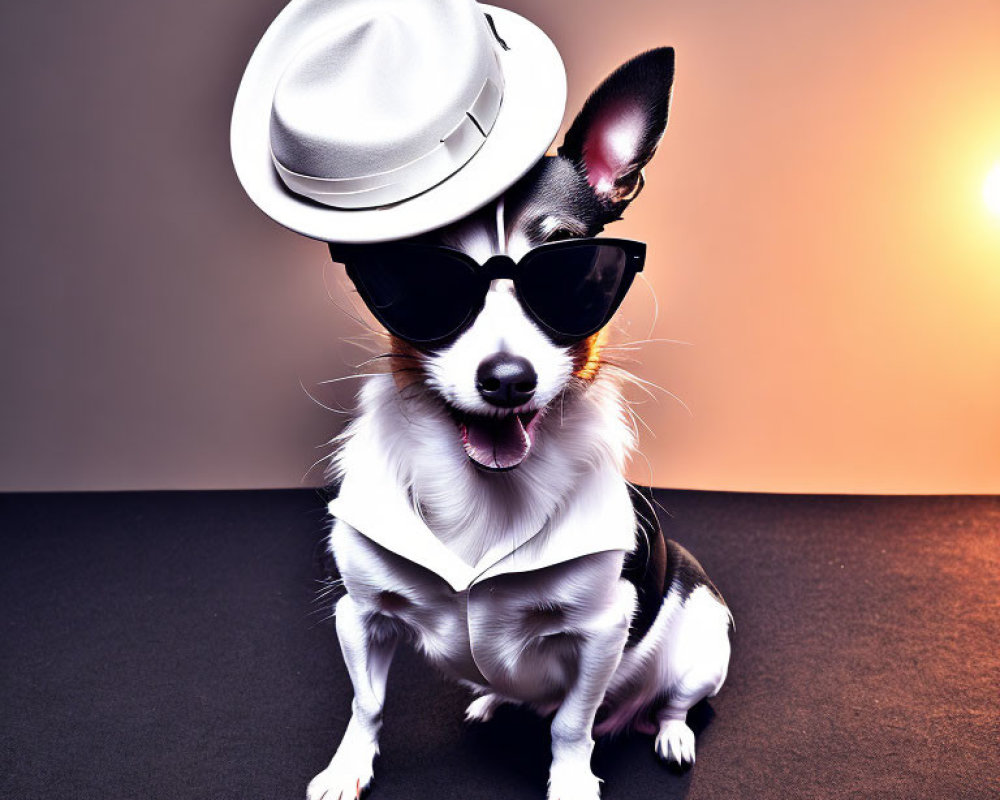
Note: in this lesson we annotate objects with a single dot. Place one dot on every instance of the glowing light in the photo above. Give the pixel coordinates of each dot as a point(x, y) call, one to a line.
point(991, 189)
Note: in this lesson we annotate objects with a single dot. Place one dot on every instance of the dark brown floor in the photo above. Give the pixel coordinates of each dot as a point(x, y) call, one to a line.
point(168, 645)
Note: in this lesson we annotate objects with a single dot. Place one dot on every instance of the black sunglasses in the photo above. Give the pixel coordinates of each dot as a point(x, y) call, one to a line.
point(426, 294)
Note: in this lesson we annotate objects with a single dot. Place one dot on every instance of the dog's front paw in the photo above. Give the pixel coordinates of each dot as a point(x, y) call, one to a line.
point(335, 783)
point(675, 742)
point(348, 775)
point(573, 782)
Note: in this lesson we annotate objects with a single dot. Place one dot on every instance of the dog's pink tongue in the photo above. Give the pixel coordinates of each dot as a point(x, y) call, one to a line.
point(496, 443)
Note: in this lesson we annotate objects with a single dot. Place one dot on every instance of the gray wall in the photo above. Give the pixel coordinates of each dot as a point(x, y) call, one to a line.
point(155, 325)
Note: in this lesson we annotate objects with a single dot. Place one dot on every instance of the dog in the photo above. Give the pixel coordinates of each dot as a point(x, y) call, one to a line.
point(496, 433)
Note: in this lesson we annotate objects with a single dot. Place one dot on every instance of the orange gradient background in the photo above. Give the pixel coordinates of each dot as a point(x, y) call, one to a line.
point(817, 233)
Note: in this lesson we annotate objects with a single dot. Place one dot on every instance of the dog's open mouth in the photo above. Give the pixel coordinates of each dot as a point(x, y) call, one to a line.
point(498, 443)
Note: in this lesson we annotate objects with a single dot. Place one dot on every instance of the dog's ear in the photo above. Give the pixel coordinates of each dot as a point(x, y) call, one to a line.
point(619, 127)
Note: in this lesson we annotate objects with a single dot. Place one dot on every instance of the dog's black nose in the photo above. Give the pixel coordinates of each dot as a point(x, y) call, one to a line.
point(505, 380)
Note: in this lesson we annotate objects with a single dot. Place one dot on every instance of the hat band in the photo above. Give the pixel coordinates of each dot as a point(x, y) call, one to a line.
point(383, 188)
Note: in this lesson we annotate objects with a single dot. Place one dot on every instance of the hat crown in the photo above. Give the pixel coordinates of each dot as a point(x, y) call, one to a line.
point(378, 85)
point(358, 90)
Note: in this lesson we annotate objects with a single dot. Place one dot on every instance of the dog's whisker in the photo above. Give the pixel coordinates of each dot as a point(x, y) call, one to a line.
point(324, 620)
point(365, 341)
point(351, 377)
point(375, 333)
point(630, 420)
point(322, 605)
point(645, 385)
point(637, 342)
point(647, 392)
point(323, 595)
point(622, 350)
point(384, 356)
point(358, 376)
point(315, 464)
point(639, 418)
point(656, 302)
point(351, 313)
point(323, 405)
point(636, 417)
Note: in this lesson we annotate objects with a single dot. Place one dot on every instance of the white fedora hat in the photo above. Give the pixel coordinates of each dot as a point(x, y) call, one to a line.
point(372, 120)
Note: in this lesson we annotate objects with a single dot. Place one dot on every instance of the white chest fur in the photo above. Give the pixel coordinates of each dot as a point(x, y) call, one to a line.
point(495, 591)
point(514, 632)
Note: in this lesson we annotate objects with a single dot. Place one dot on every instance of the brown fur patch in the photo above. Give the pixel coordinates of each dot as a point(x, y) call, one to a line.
point(406, 363)
point(587, 356)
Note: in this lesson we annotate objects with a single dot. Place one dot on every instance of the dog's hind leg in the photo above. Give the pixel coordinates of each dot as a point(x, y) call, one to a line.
point(696, 660)
point(368, 643)
point(675, 739)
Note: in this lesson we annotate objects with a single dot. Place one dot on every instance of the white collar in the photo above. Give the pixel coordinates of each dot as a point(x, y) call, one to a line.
point(599, 518)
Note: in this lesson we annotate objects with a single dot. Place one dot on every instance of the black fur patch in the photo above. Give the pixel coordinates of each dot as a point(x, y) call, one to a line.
point(685, 574)
point(657, 566)
point(553, 188)
point(646, 566)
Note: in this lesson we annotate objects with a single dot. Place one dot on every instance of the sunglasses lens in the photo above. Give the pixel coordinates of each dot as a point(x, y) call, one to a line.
point(420, 294)
point(574, 290)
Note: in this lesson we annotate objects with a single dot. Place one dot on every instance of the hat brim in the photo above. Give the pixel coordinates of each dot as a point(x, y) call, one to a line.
point(534, 100)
